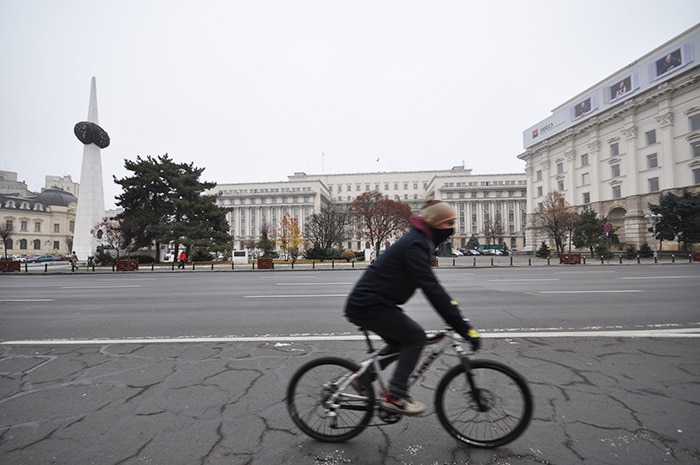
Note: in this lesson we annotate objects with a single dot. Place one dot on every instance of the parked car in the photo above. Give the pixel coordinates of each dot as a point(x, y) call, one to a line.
point(457, 253)
point(43, 258)
point(471, 252)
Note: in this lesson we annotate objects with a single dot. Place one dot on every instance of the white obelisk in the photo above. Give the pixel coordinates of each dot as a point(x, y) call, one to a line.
point(91, 202)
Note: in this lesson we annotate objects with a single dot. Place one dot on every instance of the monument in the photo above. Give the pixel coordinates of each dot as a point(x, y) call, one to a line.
point(91, 202)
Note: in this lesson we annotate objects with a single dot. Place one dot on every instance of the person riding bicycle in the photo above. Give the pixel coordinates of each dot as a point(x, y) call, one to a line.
point(374, 303)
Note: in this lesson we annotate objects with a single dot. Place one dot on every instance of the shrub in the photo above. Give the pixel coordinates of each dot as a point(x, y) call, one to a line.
point(543, 251)
point(347, 255)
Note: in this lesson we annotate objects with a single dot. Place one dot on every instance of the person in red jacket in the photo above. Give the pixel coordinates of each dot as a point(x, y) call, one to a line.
point(182, 258)
point(374, 303)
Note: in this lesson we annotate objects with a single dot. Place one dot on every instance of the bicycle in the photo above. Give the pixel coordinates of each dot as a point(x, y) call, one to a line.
point(481, 403)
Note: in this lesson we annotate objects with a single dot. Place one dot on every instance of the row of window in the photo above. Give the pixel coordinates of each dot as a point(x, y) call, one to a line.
point(12, 204)
point(24, 226)
point(358, 187)
point(24, 243)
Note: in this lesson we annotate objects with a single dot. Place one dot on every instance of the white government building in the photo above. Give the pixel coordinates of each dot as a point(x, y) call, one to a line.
point(619, 144)
point(480, 201)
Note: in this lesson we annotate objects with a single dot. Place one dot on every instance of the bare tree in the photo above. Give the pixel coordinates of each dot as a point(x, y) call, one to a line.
point(379, 218)
point(327, 228)
point(493, 231)
point(556, 219)
point(6, 233)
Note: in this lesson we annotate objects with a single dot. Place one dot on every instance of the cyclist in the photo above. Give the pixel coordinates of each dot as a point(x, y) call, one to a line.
point(374, 303)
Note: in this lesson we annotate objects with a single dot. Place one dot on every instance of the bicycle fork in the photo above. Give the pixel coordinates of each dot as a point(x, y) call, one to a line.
point(474, 391)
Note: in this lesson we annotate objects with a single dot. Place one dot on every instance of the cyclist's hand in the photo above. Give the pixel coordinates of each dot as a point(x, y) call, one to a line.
point(474, 339)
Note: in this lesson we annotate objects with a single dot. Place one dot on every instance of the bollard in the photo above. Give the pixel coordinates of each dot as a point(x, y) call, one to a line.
point(192, 266)
point(656, 259)
point(46, 267)
point(313, 265)
point(212, 266)
point(690, 258)
point(153, 266)
point(548, 261)
point(292, 264)
point(584, 259)
point(673, 258)
point(232, 267)
point(602, 260)
point(491, 261)
point(620, 259)
point(638, 259)
point(474, 261)
point(333, 263)
point(113, 266)
point(253, 262)
point(26, 267)
point(453, 262)
point(353, 264)
point(511, 260)
point(172, 266)
point(529, 262)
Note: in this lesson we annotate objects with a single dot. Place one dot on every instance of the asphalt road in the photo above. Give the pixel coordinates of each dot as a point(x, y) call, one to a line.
point(188, 367)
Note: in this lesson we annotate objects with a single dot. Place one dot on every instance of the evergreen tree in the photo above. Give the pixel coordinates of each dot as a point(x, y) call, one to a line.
point(543, 251)
point(167, 202)
point(589, 231)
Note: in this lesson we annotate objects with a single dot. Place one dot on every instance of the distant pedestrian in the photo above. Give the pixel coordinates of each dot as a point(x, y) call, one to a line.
point(182, 258)
point(73, 262)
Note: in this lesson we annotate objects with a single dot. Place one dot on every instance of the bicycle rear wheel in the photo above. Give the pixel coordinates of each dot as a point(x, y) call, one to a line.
point(501, 414)
point(310, 394)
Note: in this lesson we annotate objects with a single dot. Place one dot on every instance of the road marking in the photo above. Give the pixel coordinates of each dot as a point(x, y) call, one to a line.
point(99, 287)
point(289, 296)
point(613, 291)
point(652, 333)
point(522, 280)
point(26, 300)
point(310, 284)
point(659, 277)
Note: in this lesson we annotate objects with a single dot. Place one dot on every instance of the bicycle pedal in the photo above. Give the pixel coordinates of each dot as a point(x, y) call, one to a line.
point(388, 417)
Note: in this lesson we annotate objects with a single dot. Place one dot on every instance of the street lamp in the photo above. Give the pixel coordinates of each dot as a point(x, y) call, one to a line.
point(655, 218)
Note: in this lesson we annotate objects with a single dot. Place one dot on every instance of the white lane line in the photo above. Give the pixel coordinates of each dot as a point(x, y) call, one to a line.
point(609, 291)
point(311, 284)
point(290, 296)
point(667, 333)
point(659, 277)
point(523, 280)
point(99, 287)
point(26, 300)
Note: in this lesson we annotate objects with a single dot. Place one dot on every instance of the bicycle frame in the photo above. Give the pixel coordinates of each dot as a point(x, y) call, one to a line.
point(440, 339)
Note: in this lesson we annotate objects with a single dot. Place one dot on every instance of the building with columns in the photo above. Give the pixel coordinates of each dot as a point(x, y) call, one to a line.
point(481, 202)
point(619, 144)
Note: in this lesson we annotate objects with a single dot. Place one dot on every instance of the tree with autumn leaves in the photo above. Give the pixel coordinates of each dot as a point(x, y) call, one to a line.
point(379, 218)
point(290, 239)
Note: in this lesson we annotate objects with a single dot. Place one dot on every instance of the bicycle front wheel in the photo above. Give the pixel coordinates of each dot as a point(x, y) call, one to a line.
point(321, 409)
point(492, 411)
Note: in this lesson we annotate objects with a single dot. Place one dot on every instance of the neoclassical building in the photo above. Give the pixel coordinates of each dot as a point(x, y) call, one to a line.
point(481, 201)
point(621, 143)
point(42, 224)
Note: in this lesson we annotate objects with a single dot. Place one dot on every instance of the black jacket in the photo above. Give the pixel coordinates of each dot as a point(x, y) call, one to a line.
point(394, 277)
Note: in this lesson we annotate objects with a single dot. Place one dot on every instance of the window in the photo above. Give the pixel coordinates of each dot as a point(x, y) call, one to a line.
point(584, 160)
point(357, 188)
point(650, 137)
point(586, 198)
point(37, 226)
point(560, 167)
point(9, 224)
point(56, 228)
point(652, 161)
point(539, 191)
point(560, 185)
point(696, 176)
point(8, 243)
point(696, 149)
point(615, 170)
point(585, 179)
point(340, 188)
point(653, 184)
point(37, 244)
point(616, 192)
point(56, 245)
point(23, 226)
point(694, 122)
point(614, 149)
point(538, 175)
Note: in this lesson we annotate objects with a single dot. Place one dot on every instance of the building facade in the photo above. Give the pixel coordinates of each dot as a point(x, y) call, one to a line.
point(41, 224)
point(495, 203)
point(621, 143)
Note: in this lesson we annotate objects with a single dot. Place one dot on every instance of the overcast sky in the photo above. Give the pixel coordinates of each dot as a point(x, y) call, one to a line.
point(258, 90)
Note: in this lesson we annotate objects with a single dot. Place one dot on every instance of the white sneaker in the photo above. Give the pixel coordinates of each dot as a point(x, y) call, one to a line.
point(404, 406)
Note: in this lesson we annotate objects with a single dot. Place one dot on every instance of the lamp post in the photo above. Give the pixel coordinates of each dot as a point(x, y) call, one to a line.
point(655, 219)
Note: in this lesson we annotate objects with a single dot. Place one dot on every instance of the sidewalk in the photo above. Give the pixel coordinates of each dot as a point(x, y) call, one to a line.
point(523, 261)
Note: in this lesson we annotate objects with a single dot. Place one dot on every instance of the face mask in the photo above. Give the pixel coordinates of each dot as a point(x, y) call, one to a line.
point(441, 235)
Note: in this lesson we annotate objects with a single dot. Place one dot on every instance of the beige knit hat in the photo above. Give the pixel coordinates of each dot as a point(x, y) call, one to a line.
point(435, 212)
